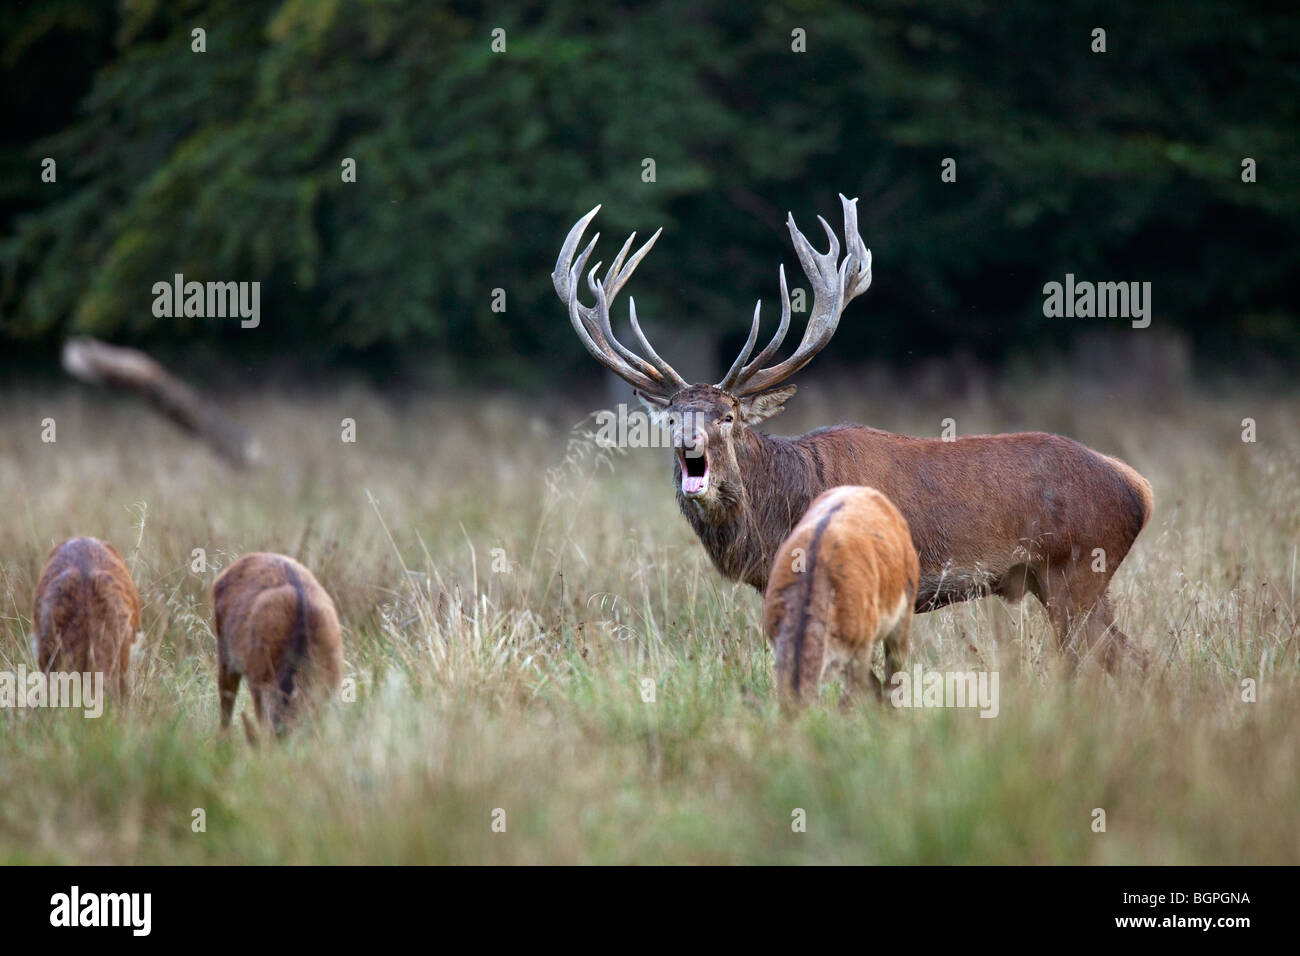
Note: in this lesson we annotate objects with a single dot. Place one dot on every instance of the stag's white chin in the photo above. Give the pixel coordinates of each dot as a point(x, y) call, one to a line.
point(695, 473)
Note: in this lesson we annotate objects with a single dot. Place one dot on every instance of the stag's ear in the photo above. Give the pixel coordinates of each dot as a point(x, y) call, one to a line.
point(654, 403)
point(760, 407)
point(656, 408)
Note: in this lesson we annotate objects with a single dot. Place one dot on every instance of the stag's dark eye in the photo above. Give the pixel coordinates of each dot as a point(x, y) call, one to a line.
point(726, 419)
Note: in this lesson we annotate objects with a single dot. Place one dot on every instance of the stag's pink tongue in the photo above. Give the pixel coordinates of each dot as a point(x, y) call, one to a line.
point(692, 484)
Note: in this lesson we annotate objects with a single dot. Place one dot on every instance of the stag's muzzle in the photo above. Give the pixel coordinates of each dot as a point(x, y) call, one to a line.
point(693, 457)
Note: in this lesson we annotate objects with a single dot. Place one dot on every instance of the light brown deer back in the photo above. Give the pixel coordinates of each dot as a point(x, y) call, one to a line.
point(844, 578)
point(87, 612)
point(277, 627)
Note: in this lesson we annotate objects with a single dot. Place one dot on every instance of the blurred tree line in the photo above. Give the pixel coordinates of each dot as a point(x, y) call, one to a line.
point(471, 164)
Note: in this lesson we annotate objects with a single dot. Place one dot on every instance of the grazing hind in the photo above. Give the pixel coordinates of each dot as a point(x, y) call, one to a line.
point(87, 612)
point(277, 627)
point(845, 578)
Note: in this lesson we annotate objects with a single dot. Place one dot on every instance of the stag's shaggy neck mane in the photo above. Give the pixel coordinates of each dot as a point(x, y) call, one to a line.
point(757, 504)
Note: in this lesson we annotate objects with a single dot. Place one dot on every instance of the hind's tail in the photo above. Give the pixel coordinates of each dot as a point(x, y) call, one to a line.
point(291, 656)
point(278, 625)
point(800, 645)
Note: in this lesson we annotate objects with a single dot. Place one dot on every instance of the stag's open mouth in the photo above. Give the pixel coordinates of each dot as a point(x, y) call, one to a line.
point(695, 471)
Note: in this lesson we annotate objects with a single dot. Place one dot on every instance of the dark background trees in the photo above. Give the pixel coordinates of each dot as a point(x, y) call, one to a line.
point(472, 164)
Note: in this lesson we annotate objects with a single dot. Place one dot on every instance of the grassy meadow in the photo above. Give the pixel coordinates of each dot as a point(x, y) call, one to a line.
point(505, 588)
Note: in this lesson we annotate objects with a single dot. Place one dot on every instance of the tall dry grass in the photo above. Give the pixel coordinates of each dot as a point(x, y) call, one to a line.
point(506, 587)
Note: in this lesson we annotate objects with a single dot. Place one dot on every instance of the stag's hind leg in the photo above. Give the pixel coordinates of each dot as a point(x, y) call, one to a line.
point(1098, 633)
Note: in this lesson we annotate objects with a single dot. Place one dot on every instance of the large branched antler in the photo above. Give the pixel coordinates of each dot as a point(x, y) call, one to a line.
point(651, 374)
point(834, 285)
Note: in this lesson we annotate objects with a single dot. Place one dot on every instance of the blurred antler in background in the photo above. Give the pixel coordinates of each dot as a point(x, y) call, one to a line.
point(102, 364)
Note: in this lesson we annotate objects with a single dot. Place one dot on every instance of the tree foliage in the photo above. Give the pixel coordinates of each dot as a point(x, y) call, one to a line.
point(472, 164)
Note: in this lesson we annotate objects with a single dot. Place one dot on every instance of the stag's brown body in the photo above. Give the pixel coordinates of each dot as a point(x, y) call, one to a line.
point(844, 578)
point(989, 514)
point(87, 612)
point(277, 627)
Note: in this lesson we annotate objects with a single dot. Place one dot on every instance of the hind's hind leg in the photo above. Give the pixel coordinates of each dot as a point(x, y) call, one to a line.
point(123, 670)
point(860, 674)
point(896, 642)
point(228, 690)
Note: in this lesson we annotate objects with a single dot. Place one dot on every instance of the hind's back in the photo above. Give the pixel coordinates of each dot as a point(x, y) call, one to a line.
point(256, 604)
point(870, 558)
point(846, 576)
point(237, 587)
point(87, 609)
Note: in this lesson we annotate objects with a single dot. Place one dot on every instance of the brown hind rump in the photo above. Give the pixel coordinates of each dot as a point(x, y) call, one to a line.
point(87, 632)
point(309, 669)
point(118, 628)
point(279, 628)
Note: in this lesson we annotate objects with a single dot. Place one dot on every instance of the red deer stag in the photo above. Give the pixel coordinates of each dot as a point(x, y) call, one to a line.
point(845, 577)
point(276, 626)
point(989, 514)
point(87, 612)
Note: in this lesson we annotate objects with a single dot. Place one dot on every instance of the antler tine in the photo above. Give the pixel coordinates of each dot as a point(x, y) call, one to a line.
point(621, 273)
point(603, 355)
point(859, 278)
point(602, 316)
point(781, 329)
point(615, 278)
point(669, 373)
point(617, 264)
point(821, 268)
point(732, 373)
point(592, 323)
point(586, 321)
point(833, 283)
point(564, 263)
point(566, 269)
point(587, 316)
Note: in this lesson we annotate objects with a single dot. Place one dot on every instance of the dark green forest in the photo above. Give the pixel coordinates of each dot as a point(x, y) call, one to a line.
point(472, 163)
